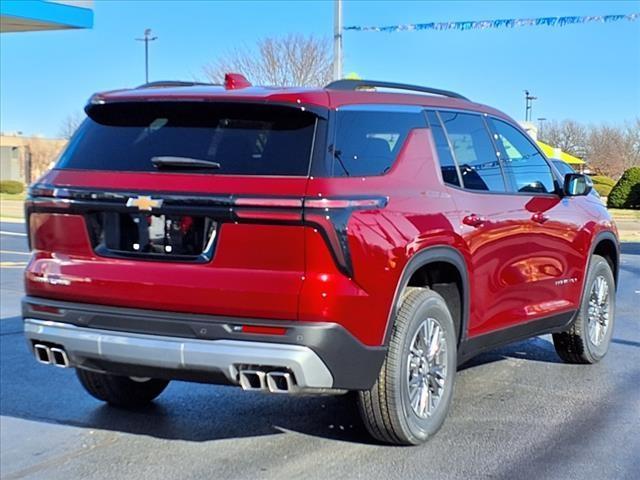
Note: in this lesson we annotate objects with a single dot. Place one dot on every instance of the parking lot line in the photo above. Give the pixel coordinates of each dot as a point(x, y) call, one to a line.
point(14, 252)
point(13, 264)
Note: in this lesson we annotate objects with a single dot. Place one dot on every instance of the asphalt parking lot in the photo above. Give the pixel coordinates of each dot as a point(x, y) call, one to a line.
point(518, 413)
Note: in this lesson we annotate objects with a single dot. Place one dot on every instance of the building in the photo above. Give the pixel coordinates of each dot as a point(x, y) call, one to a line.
point(34, 15)
point(26, 158)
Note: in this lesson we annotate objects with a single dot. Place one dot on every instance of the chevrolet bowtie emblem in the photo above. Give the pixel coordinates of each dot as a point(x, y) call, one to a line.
point(144, 202)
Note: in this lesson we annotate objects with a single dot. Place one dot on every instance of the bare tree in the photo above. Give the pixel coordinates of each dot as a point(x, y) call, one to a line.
point(43, 154)
point(632, 143)
point(70, 124)
point(294, 60)
point(568, 135)
point(608, 149)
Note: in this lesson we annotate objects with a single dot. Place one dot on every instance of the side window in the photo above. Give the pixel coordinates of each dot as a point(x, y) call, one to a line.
point(474, 151)
point(447, 163)
point(368, 142)
point(524, 163)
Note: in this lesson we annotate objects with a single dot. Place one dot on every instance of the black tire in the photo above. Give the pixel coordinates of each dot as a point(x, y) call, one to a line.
point(386, 409)
point(576, 345)
point(120, 391)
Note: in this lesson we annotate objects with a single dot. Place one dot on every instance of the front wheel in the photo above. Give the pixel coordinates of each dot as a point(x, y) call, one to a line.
point(411, 397)
point(588, 338)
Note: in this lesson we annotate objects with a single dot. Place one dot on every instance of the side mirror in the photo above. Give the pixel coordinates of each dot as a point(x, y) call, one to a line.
point(576, 184)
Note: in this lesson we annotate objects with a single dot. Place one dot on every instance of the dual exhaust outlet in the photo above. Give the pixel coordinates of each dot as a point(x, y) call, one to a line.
point(51, 355)
point(256, 380)
point(273, 381)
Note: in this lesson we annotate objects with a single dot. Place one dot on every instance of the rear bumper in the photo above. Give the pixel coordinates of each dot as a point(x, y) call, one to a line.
point(176, 345)
point(83, 345)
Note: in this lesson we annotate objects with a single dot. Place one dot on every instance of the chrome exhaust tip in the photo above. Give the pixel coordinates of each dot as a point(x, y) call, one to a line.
point(59, 357)
point(280, 382)
point(252, 380)
point(42, 353)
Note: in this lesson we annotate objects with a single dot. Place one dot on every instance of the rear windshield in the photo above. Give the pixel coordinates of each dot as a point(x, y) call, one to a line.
point(244, 139)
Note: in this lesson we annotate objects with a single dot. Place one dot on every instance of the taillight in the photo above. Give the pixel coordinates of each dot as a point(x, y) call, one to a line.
point(353, 203)
point(331, 216)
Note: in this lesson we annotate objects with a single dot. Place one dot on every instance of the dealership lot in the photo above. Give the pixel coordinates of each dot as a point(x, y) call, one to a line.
point(518, 411)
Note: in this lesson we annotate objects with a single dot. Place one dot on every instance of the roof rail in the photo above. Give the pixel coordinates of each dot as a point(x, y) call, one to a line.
point(174, 83)
point(358, 84)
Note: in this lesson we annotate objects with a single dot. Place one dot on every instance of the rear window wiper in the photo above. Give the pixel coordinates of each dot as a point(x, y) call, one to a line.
point(182, 162)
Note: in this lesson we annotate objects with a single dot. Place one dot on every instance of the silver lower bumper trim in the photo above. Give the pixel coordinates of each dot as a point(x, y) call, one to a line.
point(180, 353)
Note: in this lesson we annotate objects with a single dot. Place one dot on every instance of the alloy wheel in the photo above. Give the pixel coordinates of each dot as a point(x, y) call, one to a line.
point(427, 368)
point(598, 314)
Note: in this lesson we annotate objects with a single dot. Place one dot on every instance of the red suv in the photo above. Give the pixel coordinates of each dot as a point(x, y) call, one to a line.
point(309, 240)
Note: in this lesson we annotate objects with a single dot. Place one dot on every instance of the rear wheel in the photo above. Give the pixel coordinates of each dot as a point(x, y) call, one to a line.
point(121, 391)
point(588, 338)
point(411, 397)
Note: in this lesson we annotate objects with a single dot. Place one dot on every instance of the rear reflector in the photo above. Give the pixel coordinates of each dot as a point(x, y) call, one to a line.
point(45, 309)
point(263, 330)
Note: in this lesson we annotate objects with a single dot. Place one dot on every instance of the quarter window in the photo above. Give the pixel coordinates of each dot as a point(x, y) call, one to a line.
point(474, 151)
point(368, 142)
point(447, 163)
point(528, 170)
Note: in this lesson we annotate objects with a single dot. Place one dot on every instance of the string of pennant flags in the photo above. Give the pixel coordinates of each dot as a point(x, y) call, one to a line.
point(501, 23)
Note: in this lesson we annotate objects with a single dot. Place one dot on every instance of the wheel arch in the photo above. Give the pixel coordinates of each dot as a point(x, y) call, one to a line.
point(606, 245)
point(422, 262)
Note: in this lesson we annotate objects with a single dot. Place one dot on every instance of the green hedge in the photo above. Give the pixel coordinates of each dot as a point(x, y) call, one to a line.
point(11, 186)
point(626, 193)
point(603, 180)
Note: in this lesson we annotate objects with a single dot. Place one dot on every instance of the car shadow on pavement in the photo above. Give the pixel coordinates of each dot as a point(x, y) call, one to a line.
point(538, 349)
point(185, 411)
point(188, 411)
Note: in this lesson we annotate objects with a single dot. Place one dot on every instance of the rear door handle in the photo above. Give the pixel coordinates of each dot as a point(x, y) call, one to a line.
point(474, 220)
point(539, 217)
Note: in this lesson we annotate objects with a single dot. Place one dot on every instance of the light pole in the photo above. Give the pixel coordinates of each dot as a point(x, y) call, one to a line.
point(337, 40)
point(528, 101)
point(147, 38)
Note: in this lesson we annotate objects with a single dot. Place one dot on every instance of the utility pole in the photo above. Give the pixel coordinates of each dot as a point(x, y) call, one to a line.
point(541, 121)
point(147, 38)
point(528, 101)
point(337, 40)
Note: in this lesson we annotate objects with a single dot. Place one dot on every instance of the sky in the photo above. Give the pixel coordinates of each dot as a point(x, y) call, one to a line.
point(588, 72)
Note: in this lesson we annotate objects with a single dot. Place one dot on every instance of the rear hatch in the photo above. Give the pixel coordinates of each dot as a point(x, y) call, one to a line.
point(178, 206)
